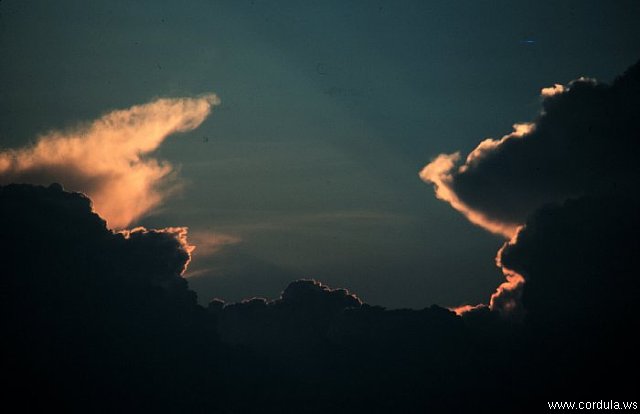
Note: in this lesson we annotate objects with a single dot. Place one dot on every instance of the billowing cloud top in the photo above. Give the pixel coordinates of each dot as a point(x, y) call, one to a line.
point(583, 142)
point(108, 159)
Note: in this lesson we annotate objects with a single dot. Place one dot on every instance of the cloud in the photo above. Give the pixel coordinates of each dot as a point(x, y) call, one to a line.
point(175, 237)
point(579, 260)
point(583, 142)
point(90, 315)
point(73, 244)
point(439, 173)
point(552, 90)
point(507, 299)
point(110, 158)
point(302, 315)
point(464, 309)
point(211, 242)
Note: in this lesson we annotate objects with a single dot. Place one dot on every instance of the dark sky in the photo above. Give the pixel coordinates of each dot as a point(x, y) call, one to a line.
point(309, 167)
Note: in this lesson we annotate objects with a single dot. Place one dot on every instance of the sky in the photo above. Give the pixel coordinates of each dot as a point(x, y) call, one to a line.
point(306, 161)
point(319, 206)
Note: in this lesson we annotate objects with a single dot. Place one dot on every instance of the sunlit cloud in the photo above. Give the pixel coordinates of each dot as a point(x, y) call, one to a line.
point(461, 310)
point(110, 158)
point(552, 90)
point(507, 297)
point(439, 172)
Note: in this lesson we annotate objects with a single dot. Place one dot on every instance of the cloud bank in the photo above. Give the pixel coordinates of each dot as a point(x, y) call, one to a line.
point(110, 158)
point(103, 320)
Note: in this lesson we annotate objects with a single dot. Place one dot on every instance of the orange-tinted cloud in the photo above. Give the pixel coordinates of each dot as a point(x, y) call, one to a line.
point(461, 310)
point(440, 172)
point(506, 298)
point(109, 158)
point(552, 90)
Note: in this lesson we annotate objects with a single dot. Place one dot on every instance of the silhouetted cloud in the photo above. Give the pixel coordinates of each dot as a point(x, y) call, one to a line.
point(92, 314)
point(507, 298)
point(302, 315)
point(579, 260)
point(580, 263)
point(102, 319)
point(583, 142)
point(109, 158)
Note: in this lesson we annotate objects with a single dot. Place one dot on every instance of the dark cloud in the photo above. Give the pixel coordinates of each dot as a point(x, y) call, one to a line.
point(302, 315)
point(102, 321)
point(580, 261)
point(96, 320)
point(580, 265)
point(585, 141)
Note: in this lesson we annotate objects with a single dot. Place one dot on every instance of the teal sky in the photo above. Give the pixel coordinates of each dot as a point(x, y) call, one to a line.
point(329, 110)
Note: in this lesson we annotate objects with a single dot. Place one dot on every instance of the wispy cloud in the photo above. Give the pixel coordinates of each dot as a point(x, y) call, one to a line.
point(211, 242)
point(110, 159)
